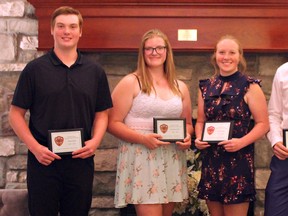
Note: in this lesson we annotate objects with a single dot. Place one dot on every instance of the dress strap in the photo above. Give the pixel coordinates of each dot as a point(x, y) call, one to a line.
point(138, 81)
point(177, 84)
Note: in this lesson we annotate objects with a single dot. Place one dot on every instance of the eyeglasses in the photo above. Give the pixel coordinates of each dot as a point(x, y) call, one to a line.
point(158, 50)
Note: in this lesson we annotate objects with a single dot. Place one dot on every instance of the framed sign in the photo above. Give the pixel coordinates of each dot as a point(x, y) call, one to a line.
point(171, 129)
point(217, 131)
point(64, 142)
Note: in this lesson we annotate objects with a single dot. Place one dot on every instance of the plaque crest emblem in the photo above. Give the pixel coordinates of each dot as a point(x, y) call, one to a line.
point(210, 130)
point(59, 140)
point(163, 128)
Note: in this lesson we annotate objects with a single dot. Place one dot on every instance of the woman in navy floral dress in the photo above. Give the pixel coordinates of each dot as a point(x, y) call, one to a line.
point(227, 181)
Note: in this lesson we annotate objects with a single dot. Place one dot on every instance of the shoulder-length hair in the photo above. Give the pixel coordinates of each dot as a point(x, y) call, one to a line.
point(169, 66)
point(242, 62)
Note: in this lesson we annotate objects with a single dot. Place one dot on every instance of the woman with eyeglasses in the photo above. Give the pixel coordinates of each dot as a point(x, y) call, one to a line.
point(151, 174)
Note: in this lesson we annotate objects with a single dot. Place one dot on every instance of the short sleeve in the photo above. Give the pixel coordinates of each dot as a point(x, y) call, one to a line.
point(23, 94)
point(103, 100)
point(252, 80)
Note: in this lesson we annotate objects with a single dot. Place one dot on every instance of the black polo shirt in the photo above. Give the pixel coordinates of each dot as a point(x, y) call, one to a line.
point(59, 97)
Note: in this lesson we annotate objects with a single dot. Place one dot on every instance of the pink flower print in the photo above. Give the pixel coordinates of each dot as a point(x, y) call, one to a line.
point(152, 190)
point(128, 181)
point(138, 151)
point(123, 149)
point(138, 184)
point(137, 170)
point(221, 172)
point(151, 156)
point(233, 180)
point(166, 199)
point(156, 173)
point(140, 200)
point(233, 163)
point(122, 166)
point(177, 188)
point(207, 185)
point(241, 185)
point(250, 161)
point(242, 180)
point(128, 197)
point(182, 171)
point(165, 165)
point(175, 157)
point(239, 188)
point(218, 85)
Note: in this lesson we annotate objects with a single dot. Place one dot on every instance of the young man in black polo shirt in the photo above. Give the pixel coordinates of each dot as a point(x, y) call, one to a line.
point(66, 92)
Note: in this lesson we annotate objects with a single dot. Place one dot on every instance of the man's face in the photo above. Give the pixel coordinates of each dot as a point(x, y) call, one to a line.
point(66, 31)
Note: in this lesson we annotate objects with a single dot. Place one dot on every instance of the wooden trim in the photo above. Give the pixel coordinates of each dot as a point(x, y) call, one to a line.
point(111, 25)
point(153, 2)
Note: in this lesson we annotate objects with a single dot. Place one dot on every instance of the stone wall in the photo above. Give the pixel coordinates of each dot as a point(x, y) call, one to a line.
point(18, 45)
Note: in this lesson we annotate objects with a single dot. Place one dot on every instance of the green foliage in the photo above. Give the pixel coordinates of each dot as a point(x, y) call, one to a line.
point(193, 205)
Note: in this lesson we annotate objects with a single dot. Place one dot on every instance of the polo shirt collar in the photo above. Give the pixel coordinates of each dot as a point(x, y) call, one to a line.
point(56, 61)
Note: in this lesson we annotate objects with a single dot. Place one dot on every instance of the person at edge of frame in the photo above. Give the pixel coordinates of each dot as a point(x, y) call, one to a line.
point(276, 198)
point(63, 91)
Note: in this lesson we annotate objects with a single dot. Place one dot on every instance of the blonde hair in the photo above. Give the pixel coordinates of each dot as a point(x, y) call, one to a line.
point(169, 66)
point(242, 62)
point(66, 10)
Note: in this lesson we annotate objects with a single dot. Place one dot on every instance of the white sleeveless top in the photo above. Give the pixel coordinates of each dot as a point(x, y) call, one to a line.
point(145, 107)
point(147, 176)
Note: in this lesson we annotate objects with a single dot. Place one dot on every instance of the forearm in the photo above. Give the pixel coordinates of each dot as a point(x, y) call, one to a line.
point(189, 129)
point(99, 127)
point(199, 129)
point(20, 127)
point(123, 132)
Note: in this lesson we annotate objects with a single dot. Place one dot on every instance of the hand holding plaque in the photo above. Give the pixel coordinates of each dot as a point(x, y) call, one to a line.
point(171, 129)
point(217, 131)
point(64, 142)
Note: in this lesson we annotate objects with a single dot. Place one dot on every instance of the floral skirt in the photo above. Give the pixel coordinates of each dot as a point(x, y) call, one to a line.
point(150, 176)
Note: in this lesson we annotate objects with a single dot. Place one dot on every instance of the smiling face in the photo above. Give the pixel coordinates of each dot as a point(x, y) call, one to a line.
point(154, 59)
point(227, 56)
point(66, 31)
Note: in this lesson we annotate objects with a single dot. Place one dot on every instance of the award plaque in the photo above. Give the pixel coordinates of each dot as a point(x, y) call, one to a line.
point(217, 131)
point(285, 137)
point(171, 129)
point(64, 142)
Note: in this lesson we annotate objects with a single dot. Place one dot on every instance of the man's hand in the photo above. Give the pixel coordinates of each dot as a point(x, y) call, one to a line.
point(44, 155)
point(86, 151)
point(280, 151)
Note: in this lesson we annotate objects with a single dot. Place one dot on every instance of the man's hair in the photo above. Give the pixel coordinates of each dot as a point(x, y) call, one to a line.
point(66, 10)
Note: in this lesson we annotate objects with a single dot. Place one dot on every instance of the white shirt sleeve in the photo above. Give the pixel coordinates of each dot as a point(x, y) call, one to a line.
point(278, 107)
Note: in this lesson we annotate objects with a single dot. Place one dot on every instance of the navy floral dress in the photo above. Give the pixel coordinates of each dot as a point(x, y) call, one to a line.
point(227, 177)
